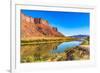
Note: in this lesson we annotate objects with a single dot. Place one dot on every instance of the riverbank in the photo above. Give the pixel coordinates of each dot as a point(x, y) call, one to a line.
point(39, 40)
point(78, 53)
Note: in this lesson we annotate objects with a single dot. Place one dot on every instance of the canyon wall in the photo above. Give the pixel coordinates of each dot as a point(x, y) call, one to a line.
point(37, 27)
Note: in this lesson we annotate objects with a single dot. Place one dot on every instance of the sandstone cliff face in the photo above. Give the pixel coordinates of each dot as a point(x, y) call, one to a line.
point(37, 27)
point(33, 20)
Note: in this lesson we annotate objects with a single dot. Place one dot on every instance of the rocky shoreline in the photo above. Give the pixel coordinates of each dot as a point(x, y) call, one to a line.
point(78, 53)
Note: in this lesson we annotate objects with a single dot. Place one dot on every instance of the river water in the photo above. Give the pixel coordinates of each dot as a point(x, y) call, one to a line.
point(44, 51)
point(65, 45)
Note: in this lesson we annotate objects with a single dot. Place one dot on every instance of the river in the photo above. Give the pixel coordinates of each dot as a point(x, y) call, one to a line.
point(44, 51)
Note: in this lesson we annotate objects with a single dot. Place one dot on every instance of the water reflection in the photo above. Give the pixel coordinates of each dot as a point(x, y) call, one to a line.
point(45, 51)
point(65, 45)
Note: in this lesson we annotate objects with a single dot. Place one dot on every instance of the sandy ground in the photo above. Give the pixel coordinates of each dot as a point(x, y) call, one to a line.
point(85, 46)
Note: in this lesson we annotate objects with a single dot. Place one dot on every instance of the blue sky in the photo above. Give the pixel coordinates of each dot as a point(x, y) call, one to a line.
point(68, 23)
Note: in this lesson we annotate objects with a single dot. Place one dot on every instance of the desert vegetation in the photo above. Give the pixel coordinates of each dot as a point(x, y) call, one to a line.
point(38, 40)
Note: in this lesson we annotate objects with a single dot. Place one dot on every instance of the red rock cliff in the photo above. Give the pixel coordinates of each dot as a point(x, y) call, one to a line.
point(37, 27)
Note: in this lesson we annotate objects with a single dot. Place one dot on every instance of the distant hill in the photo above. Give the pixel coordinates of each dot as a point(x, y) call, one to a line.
point(37, 27)
point(80, 36)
